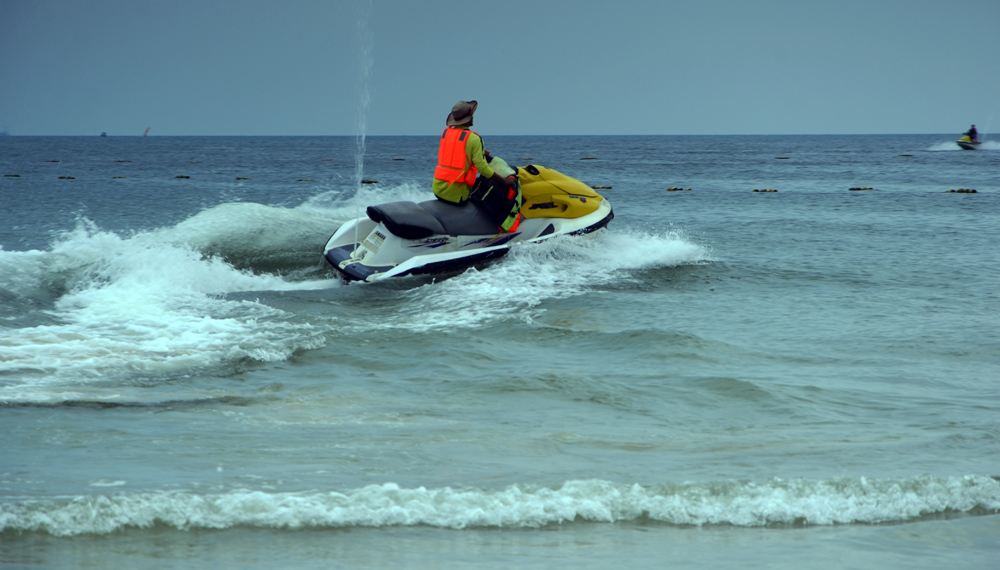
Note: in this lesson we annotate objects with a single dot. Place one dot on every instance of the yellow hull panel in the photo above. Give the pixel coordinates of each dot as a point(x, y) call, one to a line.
point(551, 194)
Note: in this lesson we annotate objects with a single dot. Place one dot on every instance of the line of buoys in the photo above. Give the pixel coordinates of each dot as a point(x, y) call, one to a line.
point(782, 157)
point(51, 161)
point(123, 161)
point(185, 176)
point(860, 188)
point(906, 155)
point(12, 175)
point(601, 187)
point(765, 190)
point(678, 189)
point(963, 191)
point(589, 158)
point(242, 178)
point(305, 180)
point(369, 181)
point(399, 159)
point(67, 178)
point(118, 177)
point(329, 160)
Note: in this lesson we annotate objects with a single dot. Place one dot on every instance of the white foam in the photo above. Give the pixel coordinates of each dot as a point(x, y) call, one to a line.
point(952, 145)
point(137, 305)
point(776, 502)
point(554, 269)
point(944, 147)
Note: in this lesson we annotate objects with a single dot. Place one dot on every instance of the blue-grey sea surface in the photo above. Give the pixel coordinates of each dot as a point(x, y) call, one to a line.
point(723, 378)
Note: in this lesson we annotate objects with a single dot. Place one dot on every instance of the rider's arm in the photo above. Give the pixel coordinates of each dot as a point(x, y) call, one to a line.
point(474, 150)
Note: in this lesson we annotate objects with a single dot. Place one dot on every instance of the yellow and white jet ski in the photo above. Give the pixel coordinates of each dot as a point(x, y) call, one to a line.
point(967, 143)
point(409, 238)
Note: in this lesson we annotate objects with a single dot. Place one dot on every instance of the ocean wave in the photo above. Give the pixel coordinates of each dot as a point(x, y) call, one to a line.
point(776, 503)
point(348, 205)
point(138, 305)
point(255, 237)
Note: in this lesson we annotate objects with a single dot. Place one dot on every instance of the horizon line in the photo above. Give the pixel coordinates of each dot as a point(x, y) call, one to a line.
point(104, 135)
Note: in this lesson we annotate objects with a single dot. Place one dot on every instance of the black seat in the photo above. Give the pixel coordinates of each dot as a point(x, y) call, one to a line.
point(406, 220)
point(410, 220)
point(469, 218)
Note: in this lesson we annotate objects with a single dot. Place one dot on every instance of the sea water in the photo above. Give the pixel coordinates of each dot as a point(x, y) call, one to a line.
point(723, 378)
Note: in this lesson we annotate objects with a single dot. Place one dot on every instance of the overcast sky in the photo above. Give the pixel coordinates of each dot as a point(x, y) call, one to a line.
point(299, 67)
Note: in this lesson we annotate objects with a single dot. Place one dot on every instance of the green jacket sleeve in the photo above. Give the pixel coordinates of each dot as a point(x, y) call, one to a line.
point(474, 150)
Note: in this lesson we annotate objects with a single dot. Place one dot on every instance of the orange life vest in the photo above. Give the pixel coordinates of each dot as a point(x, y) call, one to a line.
point(453, 164)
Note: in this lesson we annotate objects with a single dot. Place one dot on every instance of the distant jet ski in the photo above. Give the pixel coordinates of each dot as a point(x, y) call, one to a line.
point(967, 143)
point(408, 238)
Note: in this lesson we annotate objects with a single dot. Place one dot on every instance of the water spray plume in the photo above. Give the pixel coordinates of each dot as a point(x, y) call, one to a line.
point(365, 64)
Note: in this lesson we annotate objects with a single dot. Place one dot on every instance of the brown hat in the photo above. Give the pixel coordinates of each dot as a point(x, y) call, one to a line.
point(461, 113)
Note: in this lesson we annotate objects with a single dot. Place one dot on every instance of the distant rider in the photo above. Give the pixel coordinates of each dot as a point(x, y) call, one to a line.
point(461, 158)
point(972, 133)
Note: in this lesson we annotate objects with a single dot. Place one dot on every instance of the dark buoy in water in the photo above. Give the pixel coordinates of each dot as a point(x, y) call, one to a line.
point(183, 176)
point(765, 190)
point(860, 188)
point(678, 189)
point(963, 191)
point(368, 181)
point(601, 187)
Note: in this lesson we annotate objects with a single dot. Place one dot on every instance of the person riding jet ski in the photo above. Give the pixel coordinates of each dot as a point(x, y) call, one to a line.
point(969, 140)
point(472, 220)
point(464, 171)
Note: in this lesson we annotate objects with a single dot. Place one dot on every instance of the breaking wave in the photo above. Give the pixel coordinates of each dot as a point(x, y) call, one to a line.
point(776, 503)
point(98, 304)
